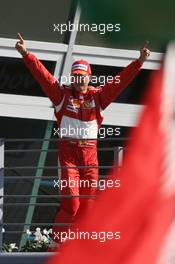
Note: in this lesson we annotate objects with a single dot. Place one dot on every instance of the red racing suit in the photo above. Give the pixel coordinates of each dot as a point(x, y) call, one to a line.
point(75, 111)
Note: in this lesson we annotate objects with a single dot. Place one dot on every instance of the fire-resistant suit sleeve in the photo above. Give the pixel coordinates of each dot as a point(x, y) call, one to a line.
point(111, 90)
point(47, 81)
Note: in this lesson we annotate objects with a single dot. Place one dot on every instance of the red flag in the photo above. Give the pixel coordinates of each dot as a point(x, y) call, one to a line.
point(143, 208)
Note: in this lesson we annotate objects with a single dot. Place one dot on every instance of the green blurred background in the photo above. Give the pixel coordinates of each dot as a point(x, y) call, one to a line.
point(140, 20)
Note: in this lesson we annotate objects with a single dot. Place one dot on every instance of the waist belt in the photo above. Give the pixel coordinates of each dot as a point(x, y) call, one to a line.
point(83, 143)
point(79, 142)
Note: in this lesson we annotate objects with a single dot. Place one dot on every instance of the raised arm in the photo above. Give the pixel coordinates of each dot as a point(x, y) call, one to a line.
point(111, 90)
point(47, 81)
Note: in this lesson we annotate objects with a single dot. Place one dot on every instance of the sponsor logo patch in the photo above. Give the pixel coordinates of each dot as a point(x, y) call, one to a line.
point(89, 104)
point(73, 105)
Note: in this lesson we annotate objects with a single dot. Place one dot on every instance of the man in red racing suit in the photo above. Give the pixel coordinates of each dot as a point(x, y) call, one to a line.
point(78, 108)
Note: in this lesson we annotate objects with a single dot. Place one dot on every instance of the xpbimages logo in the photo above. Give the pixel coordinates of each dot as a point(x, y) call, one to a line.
point(101, 184)
point(99, 28)
point(85, 235)
point(93, 79)
point(86, 132)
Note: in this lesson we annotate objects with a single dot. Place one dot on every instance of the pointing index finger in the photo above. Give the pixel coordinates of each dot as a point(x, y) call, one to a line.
point(146, 44)
point(20, 37)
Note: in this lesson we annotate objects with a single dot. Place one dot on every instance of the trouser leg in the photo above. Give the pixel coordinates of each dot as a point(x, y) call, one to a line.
point(88, 180)
point(69, 206)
